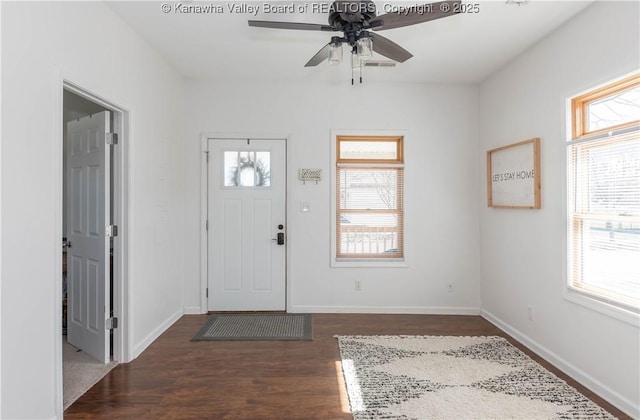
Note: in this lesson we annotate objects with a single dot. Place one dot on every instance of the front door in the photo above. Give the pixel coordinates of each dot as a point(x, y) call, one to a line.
point(247, 233)
point(88, 268)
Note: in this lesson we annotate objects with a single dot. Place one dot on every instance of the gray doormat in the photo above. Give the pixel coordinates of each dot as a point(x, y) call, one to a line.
point(256, 327)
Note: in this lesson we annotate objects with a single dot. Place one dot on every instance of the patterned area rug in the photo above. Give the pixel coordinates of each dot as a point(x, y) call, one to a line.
point(256, 327)
point(437, 377)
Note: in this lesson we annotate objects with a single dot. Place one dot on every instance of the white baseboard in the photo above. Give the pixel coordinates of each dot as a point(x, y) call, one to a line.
point(193, 310)
point(420, 310)
point(585, 379)
point(153, 336)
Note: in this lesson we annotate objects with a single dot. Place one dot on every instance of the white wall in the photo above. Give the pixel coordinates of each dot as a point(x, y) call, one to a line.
point(1, 233)
point(89, 45)
point(441, 146)
point(523, 251)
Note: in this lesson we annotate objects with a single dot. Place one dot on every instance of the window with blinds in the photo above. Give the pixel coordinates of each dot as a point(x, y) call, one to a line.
point(603, 161)
point(369, 197)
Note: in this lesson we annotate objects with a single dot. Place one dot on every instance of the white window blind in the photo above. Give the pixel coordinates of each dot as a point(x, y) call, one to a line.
point(369, 198)
point(605, 250)
point(604, 202)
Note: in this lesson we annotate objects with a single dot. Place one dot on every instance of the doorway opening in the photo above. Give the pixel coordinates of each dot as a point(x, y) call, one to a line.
point(103, 315)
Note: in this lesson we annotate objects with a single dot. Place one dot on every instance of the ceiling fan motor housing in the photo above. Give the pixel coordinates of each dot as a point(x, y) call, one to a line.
point(345, 12)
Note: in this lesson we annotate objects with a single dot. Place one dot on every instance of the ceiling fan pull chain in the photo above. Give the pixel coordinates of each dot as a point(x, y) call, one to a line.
point(351, 75)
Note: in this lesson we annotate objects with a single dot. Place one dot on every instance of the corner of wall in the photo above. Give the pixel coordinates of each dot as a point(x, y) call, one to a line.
point(157, 332)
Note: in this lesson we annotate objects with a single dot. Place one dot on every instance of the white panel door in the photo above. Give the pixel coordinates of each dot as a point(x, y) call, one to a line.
point(246, 245)
point(87, 195)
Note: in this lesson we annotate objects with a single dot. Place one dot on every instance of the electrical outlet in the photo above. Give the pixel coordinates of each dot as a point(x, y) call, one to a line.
point(530, 313)
point(358, 286)
point(450, 287)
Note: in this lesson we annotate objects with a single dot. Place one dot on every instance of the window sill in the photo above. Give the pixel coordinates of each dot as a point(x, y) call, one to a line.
point(369, 263)
point(584, 299)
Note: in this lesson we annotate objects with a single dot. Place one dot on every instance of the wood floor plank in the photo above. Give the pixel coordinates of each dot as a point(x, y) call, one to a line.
point(176, 378)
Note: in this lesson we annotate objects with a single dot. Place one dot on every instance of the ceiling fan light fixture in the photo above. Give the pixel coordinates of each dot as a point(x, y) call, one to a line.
point(335, 54)
point(365, 48)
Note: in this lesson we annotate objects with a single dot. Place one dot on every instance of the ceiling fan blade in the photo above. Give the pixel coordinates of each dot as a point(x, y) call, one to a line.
point(291, 25)
point(320, 56)
point(389, 49)
point(415, 14)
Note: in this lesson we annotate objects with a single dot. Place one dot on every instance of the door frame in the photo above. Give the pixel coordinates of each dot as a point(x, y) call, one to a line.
point(122, 351)
point(204, 207)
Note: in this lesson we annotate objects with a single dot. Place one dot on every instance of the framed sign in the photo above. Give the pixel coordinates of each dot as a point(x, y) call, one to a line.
point(513, 175)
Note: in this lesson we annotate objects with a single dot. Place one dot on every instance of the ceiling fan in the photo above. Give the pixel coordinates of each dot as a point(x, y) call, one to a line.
point(355, 19)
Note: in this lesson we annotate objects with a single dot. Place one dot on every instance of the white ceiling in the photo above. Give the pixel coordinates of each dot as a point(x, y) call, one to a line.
point(464, 48)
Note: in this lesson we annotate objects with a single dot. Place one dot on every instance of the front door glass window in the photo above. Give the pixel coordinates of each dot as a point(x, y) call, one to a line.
point(247, 168)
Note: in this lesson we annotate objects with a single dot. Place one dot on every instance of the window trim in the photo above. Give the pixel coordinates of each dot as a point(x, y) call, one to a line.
point(399, 135)
point(605, 307)
point(578, 133)
point(579, 105)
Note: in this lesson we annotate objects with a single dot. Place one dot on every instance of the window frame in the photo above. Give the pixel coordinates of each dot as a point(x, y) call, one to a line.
point(399, 149)
point(580, 135)
point(580, 105)
point(357, 260)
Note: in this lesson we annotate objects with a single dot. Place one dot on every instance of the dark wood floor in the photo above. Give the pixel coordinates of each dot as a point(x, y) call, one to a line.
point(178, 379)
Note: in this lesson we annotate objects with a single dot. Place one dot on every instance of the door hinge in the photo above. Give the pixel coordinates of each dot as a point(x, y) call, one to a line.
point(111, 231)
point(207, 225)
point(207, 292)
point(111, 138)
point(207, 156)
point(112, 323)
